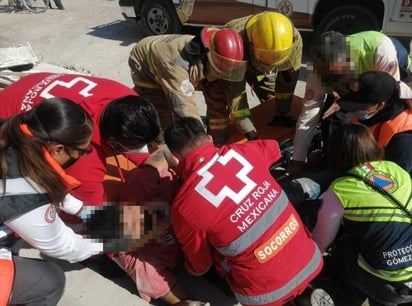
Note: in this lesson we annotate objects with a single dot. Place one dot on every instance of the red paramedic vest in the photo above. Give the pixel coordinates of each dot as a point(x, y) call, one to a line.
point(232, 213)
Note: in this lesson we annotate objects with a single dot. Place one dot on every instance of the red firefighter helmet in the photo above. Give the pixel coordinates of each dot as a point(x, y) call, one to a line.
point(226, 51)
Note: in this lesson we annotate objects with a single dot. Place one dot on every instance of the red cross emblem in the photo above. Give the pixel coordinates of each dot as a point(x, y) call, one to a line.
point(225, 176)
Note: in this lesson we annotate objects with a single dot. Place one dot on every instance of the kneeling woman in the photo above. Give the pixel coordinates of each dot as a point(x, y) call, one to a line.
point(35, 147)
point(371, 198)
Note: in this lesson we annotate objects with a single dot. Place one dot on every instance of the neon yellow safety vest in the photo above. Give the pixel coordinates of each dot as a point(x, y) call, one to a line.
point(363, 48)
point(382, 230)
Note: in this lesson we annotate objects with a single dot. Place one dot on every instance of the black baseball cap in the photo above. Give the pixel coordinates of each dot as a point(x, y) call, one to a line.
point(374, 87)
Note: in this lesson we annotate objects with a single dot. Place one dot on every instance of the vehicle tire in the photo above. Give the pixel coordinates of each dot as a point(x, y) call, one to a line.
point(159, 17)
point(348, 19)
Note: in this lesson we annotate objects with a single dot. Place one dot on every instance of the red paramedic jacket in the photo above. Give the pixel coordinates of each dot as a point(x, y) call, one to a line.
point(232, 213)
point(93, 94)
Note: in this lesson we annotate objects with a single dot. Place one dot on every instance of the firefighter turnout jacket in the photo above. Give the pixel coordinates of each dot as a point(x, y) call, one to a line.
point(232, 213)
point(168, 69)
point(279, 84)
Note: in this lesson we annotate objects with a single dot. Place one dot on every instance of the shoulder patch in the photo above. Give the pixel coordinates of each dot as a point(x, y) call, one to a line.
point(50, 215)
point(383, 180)
point(309, 94)
point(187, 88)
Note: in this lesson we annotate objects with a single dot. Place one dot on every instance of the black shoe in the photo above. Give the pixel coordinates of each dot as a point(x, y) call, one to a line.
point(282, 120)
point(61, 7)
point(105, 266)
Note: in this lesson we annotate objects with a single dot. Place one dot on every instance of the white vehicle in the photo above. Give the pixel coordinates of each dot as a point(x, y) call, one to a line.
point(393, 17)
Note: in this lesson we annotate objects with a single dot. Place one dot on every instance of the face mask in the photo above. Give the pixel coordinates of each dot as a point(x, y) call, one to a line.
point(69, 162)
point(362, 115)
point(118, 148)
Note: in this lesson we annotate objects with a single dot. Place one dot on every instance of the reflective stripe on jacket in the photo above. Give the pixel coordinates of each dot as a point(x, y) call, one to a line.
point(231, 212)
point(243, 242)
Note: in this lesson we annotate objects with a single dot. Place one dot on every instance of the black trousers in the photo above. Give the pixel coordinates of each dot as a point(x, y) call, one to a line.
point(343, 263)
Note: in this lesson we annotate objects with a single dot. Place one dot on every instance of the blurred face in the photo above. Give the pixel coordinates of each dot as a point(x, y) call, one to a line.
point(335, 71)
point(369, 112)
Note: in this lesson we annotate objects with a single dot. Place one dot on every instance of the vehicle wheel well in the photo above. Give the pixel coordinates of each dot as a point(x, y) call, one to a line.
point(138, 8)
point(323, 7)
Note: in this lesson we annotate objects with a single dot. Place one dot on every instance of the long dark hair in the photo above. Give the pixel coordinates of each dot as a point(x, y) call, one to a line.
point(55, 120)
point(352, 145)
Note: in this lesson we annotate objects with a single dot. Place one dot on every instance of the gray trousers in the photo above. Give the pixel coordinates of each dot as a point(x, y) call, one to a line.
point(36, 282)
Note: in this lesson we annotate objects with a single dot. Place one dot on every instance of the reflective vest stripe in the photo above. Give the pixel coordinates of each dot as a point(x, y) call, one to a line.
point(284, 96)
point(278, 294)
point(150, 58)
point(241, 113)
point(398, 216)
point(6, 276)
point(240, 244)
point(392, 276)
point(218, 124)
point(146, 85)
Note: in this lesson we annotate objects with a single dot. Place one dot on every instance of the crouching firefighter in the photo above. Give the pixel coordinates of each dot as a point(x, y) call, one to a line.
point(168, 69)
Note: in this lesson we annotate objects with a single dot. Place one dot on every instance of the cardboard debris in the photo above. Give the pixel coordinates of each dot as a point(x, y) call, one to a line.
point(19, 61)
point(17, 56)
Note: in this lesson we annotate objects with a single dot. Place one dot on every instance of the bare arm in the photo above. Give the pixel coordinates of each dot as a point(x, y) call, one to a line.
point(329, 221)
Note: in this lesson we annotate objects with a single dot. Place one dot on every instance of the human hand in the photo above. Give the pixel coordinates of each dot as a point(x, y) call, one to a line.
point(331, 110)
point(162, 159)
